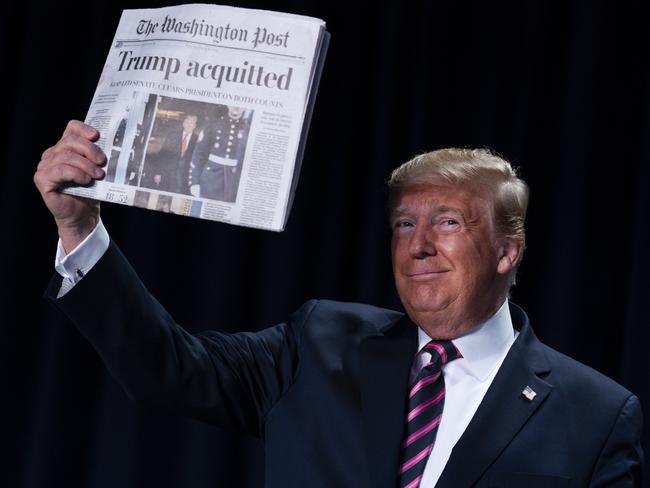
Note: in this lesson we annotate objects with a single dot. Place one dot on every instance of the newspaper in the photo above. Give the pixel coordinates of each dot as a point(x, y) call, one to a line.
point(203, 111)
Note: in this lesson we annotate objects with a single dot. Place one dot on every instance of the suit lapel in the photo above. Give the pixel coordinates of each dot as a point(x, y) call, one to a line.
point(385, 364)
point(504, 409)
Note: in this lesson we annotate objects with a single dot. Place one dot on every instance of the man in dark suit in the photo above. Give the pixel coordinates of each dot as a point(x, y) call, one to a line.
point(176, 154)
point(458, 392)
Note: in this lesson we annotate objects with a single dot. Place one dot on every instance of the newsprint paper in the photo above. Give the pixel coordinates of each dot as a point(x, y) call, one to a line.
point(203, 111)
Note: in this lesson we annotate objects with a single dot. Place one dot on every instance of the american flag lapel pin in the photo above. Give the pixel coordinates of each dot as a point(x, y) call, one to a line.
point(528, 393)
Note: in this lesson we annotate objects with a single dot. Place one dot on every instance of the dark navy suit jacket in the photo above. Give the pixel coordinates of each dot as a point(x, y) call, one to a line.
point(326, 391)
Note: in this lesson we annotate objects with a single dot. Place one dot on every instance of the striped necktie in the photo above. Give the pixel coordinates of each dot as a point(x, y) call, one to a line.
point(425, 402)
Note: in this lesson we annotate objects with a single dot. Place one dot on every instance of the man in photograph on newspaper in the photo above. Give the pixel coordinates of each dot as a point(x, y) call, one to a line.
point(177, 150)
point(168, 170)
point(457, 392)
point(216, 167)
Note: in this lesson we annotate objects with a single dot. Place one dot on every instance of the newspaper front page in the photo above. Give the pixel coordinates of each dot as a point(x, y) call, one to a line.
point(203, 111)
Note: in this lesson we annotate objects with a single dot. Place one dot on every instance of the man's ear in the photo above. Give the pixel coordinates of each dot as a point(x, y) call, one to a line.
point(510, 252)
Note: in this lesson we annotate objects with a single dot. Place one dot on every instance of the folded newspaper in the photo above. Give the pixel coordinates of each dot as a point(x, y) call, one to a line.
point(204, 110)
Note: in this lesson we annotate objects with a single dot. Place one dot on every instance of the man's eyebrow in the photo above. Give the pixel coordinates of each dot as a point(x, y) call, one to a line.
point(447, 209)
point(438, 209)
point(398, 210)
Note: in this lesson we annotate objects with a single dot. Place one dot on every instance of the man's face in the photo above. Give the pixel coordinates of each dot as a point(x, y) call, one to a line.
point(448, 265)
point(235, 112)
point(189, 123)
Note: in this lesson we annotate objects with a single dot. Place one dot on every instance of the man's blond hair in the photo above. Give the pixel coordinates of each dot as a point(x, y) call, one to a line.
point(478, 169)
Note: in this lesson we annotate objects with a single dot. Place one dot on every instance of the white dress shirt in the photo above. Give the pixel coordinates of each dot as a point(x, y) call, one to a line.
point(72, 267)
point(467, 379)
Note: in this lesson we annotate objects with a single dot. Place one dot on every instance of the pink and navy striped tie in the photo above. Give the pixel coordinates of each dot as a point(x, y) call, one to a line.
point(425, 402)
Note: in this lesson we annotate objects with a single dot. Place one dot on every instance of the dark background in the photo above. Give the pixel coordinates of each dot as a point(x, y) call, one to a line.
point(559, 88)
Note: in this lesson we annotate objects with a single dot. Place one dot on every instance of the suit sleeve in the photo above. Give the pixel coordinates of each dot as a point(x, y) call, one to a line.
point(621, 462)
point(231, 380)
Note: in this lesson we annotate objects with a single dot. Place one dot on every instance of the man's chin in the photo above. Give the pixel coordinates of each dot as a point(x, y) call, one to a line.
point(428, 309)
point(438, 322)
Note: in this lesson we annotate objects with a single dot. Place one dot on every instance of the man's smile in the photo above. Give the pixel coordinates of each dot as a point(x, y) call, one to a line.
point(426, 274)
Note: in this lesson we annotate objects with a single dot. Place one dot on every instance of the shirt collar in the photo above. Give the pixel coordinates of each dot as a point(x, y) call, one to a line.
point(484, 346)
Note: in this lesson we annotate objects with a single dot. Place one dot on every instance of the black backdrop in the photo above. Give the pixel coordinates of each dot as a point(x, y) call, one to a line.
point(561, 89)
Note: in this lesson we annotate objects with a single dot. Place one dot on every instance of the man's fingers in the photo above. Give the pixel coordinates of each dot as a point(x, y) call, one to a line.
point(71, 158)
point(77, 137)
point(74, 159)
point(76, 127)
point(82, 146)
point(73, 143)
point(51, 178)
point(67, 173)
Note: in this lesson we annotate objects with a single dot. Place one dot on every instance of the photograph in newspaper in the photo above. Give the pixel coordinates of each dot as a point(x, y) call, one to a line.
point(203, 111)
point(167, 203)
point(181, 146)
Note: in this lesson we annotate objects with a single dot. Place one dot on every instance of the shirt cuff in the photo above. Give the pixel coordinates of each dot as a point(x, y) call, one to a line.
point(72, 267)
